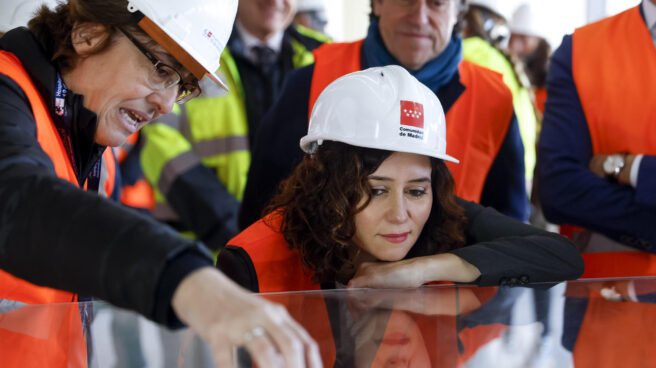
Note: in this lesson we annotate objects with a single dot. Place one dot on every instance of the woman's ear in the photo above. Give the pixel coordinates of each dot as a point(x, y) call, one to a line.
point(87, 37)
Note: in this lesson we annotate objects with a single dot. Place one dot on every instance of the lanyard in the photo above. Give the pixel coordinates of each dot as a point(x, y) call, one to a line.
point(62, 118)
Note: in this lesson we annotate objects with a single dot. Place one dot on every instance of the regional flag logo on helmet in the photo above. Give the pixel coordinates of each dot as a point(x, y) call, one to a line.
point(412, 113)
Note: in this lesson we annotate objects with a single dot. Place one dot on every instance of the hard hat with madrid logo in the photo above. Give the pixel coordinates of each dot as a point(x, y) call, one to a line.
point(195, 32)
point(384, 108)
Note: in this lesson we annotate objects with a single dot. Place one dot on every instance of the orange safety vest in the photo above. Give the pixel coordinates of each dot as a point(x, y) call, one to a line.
point(279, 268)
point(476, 124)
point(140, 194)
point(540, 98)
point(61, 343)
point(618, 107)
point(614, 333)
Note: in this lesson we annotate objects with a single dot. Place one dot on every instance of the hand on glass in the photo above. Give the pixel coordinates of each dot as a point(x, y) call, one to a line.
point(227, 316)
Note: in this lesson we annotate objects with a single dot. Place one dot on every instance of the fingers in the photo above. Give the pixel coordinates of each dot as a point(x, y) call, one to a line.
point(309, 346)
point(223, 356)
point(227, 316)
point(264, 351)
point(295, 345)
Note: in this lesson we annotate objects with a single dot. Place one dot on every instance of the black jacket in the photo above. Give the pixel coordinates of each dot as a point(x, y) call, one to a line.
point(53, 233)
point(506, 251)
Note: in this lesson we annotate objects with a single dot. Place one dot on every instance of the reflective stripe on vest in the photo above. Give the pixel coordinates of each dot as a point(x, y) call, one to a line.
point(619, 108)
point(476, 124)
point(214, 129)
point(482, 53)
point(47, 335)
point(279, 268)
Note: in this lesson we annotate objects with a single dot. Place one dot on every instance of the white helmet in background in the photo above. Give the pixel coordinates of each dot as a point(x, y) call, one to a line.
point(310, 5)
point(502, 8)
point(195, 32)
point(384, 108)
point(16, 13)
point(526, 22)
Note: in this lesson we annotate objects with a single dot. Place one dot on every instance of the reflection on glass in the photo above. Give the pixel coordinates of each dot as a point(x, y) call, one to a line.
point(606, 323)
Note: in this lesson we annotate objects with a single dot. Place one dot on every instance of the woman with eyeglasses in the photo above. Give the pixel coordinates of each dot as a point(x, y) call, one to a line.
point(79, 79)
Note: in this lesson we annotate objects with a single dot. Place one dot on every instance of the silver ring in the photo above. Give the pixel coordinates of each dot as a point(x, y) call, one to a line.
point(252, 334)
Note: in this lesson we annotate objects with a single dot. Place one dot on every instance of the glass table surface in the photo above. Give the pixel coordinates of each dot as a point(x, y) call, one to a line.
point(585, 323)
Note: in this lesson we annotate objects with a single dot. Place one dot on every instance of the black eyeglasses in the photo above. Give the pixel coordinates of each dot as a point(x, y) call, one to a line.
point(164, 76)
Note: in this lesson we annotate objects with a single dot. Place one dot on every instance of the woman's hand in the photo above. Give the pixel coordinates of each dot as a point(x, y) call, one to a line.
point(227, 316)
point(388, 275)
point(414, 272)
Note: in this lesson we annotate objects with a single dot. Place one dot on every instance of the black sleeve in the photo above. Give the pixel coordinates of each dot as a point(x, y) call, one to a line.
point(505, 185)
point(235, 263)
point(276, 151)
point(205, 206)
point(54, 234)
point(509, 252)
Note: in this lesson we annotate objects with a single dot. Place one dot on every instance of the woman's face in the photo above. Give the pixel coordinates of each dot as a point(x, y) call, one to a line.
point(115, 86)
point(400, 205)
point(393, 340)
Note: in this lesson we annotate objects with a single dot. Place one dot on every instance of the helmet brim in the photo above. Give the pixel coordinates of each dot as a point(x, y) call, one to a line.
point(306, 146)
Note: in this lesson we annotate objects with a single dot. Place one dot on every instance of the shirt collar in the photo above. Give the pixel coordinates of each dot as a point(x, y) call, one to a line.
point(650, 13)
point(274, 42)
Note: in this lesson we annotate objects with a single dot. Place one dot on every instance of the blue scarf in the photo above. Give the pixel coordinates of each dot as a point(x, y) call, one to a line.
point(435, 74)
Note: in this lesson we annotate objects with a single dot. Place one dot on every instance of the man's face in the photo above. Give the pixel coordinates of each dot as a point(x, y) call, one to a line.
point(416, 31)
point(264, 18)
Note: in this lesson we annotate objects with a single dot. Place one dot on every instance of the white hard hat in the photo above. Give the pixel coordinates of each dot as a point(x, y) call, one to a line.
point(384, 108)
point(503, 8)
point(525, 21)
point(195, 32)
point(16, 13)
point(310, 5)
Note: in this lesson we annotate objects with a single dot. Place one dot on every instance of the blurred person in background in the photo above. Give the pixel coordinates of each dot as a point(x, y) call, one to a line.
point(197, 159)
point(422, 36)
point(83, 77)
point(597, 147)
point(372, 204)
point(528, 43)
point(311, 14)
point(486, 35)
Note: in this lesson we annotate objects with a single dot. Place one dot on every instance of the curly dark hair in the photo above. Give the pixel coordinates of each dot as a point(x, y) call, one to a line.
point(53, 28)
point(319, 201)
